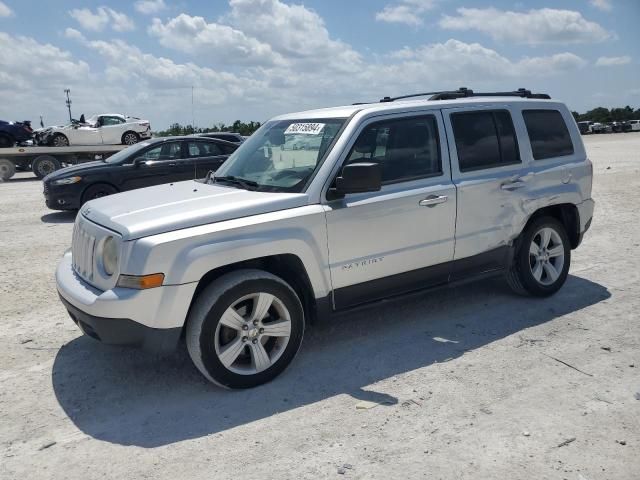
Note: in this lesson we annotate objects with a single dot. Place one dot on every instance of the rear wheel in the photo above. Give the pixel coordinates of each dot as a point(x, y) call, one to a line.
point(542, 259)
point(6, 141)
point(7, 169)
point(44, 165)
point(60, 140)
point(98, 190)
point(245, 328)
point(130, 138)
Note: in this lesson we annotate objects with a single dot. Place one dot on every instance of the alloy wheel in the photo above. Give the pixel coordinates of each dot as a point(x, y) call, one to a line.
point(253, 333)
point(130, 139)
point(546, 256)
point(60, 141)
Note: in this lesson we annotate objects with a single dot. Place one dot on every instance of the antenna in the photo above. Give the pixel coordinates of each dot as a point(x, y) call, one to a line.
point(193, 117)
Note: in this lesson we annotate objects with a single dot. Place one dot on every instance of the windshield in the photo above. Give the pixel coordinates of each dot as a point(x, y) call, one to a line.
point(128, 153)
point(282, 155)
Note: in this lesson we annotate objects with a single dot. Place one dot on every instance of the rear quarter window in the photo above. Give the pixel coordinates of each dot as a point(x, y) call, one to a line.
point(548, 134)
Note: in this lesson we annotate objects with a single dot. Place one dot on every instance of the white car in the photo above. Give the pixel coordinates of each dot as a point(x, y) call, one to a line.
point(105, 129)
point(635, 125)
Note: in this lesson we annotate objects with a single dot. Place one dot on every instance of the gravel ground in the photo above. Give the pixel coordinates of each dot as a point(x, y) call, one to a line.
point(470, 382)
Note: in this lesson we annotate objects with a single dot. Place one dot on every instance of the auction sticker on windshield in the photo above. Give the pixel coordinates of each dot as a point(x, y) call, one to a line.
point(305, 128)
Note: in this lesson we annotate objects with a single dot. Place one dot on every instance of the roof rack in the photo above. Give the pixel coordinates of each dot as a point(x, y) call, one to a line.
point(464, 92)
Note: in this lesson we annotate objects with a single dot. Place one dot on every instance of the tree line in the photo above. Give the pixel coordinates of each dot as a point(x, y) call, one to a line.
point(238, 127)
point(605, 115)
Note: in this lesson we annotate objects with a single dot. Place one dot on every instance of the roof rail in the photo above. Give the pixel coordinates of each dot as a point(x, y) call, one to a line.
point(464, 92)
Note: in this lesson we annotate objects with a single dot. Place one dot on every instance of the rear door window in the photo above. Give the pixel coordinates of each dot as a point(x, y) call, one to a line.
point(548, 134)
point(484, 139)
point(203, 149)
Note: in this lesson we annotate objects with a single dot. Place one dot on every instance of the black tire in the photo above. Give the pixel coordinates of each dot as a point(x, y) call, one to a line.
point(130, 138)
point(97, 190)
point(44, 165)
point(204, 327)
point(6, 141)
point(7, 169)
point(520, 275)
point(59, 140)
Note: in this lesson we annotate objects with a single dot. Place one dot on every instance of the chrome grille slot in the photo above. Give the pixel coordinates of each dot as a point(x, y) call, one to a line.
point(82, 248)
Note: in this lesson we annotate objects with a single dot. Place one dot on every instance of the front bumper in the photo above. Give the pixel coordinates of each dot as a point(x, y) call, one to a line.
point(146, 134)
point(61, 200)
point(124, 331)
point(151, 319)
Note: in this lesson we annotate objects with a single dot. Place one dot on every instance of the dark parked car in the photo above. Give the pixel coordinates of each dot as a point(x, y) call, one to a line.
point(14, 132)
point(228, 136)
point(152, 162)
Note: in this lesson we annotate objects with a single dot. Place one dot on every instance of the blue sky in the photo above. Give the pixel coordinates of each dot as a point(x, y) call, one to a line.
point(252, 59)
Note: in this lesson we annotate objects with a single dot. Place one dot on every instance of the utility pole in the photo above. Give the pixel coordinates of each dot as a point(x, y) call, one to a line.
point(193, 117)
point(68, 102)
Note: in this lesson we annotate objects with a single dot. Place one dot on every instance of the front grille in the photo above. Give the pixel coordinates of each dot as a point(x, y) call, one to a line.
point(82, 251)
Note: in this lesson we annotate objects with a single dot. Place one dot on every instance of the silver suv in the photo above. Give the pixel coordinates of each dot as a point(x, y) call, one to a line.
point(326, 210)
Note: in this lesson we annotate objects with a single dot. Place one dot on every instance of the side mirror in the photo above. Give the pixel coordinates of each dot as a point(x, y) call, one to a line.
point(357, 178)
point(139, 161)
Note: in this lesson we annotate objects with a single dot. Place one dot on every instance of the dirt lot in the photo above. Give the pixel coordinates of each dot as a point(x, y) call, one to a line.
point(470, 380)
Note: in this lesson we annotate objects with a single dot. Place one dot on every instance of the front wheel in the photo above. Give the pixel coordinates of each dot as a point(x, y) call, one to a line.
point(245, 328)
point(541, 263)
point(98, 190)
point(60, 140)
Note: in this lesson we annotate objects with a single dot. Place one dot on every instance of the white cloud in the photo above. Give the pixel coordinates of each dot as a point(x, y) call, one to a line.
point(408, 12)
point(120, 22)
point(534, 27)
point(211, 41)
point(103, 16)
point(89, 20)
point(34, 75)
point(74, 34)
point(613, 61)
point(604, 5)
point(458, 63)
point(150, 7)
point(5, 11)
point(295, 32)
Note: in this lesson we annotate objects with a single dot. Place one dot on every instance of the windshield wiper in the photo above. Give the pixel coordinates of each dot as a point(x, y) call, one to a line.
point(243, 182)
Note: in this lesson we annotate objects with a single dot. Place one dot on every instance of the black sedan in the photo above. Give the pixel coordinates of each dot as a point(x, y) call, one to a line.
point(152, 162)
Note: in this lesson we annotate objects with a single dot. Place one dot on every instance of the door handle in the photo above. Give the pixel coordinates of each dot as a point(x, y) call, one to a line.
point(432, 200)
point(512, 185)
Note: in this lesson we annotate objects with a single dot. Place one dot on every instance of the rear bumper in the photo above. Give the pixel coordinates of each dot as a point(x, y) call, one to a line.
point(585, 211)
point(124, 331)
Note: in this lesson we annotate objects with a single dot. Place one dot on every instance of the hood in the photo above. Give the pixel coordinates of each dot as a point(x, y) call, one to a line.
point(165, 208)
point(73, 170)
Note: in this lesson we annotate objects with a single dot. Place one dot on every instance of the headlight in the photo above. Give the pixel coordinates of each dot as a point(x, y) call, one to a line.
point(110, 255)
point(66, 181)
